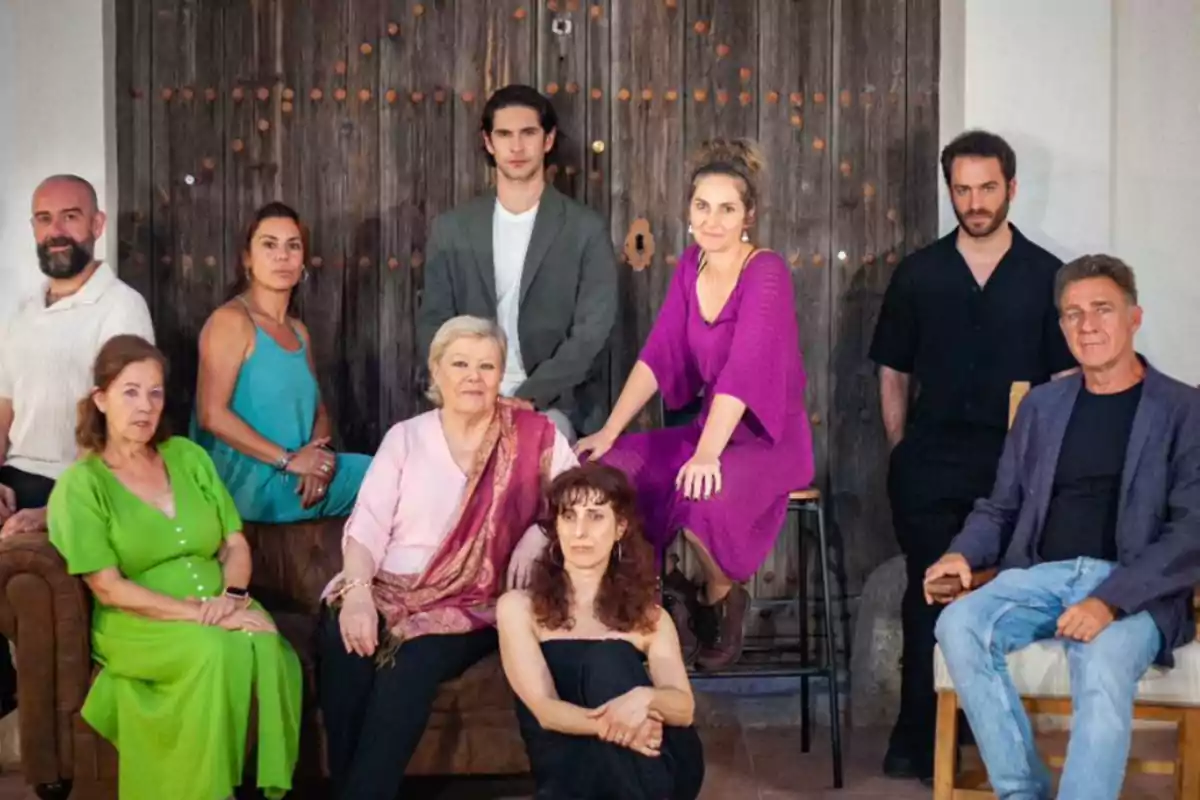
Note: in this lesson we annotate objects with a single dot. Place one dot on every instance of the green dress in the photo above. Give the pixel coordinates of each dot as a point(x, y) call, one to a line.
point(175, 697)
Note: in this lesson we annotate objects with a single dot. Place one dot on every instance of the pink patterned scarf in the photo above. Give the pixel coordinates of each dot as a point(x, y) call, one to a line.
point(457, 592)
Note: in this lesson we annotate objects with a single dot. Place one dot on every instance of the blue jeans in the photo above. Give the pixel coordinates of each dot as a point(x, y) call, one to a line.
point(1022, 606)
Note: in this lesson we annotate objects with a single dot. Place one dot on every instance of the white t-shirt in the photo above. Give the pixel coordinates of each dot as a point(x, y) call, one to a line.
point(46, 360)
point(510, 241)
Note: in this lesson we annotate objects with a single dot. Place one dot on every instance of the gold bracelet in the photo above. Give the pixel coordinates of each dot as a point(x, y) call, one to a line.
point(348, 585)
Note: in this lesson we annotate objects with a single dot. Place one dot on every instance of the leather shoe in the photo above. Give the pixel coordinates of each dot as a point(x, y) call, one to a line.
point(902, 766)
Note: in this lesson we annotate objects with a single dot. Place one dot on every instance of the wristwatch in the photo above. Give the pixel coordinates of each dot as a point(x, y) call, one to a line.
point(237, 592)
point(282, 462)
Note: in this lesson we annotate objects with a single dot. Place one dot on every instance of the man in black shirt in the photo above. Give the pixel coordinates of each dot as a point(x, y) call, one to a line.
point(1094, 522)
point(961, 321)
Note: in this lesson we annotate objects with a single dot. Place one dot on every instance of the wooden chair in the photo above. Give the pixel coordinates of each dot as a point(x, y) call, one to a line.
point(1041, 676)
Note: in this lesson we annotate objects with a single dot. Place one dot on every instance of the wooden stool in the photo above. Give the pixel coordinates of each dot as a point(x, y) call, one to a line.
point(801, 504)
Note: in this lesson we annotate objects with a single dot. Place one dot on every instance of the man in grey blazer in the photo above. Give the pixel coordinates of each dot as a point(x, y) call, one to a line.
point(539, 263)
point(1094, 522)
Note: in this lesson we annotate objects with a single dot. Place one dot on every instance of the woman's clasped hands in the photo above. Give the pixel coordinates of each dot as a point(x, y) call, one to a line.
point(629, 721)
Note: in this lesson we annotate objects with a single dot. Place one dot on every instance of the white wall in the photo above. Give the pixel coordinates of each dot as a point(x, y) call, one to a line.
point(1157, 174)
point(1101, 101)
point(1028, 70)
point(56, 115)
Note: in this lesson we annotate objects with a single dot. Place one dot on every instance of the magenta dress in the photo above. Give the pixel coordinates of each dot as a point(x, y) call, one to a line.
point(752, 352)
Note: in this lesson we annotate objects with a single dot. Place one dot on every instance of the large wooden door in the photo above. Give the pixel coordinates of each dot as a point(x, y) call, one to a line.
point(364, 115)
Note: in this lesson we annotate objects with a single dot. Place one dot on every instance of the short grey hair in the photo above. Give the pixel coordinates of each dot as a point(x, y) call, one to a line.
point(457, 328)
point(1096, 266)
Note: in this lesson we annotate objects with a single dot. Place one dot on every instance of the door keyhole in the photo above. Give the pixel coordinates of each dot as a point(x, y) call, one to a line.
point(639, 244)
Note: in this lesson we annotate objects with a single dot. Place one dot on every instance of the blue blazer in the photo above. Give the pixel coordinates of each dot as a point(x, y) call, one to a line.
point(1158, 516)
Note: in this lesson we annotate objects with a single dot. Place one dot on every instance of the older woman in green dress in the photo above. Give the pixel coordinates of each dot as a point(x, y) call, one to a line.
point(183, 649)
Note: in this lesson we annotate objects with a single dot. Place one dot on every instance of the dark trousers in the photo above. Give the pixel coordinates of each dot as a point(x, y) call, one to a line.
point(32, 491)
point(586, 768)
point(933, 482)
point(374, 716)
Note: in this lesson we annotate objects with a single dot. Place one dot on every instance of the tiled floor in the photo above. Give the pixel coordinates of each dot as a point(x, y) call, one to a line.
point(757, 764)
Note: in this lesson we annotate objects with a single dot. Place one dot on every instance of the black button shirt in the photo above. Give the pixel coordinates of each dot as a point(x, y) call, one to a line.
point(1082, 518)
point(965, 344)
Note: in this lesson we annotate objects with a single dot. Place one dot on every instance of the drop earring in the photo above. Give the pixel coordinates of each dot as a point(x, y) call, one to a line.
point(745, 236)
point(689, 229)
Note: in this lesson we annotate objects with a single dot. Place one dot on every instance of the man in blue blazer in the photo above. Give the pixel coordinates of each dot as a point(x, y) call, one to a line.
point(1094, 522)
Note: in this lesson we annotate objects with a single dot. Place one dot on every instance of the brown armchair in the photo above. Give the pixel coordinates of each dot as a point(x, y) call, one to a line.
point(46, 614)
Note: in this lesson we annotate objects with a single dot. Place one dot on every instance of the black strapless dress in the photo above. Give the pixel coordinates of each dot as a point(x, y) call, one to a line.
point(589, 673)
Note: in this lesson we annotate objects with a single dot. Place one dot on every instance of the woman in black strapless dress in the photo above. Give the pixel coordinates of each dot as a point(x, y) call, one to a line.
point(603, 697)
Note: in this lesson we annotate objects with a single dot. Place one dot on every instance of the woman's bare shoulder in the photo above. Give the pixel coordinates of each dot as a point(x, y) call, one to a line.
point(514, 606)
point(230, 319)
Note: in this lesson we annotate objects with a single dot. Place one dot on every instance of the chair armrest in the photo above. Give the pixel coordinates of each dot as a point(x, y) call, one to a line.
point(45, 613)
point(950, 588)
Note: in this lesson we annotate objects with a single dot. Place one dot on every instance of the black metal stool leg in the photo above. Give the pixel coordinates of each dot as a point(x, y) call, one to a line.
point(802, 613)
point(835, 730)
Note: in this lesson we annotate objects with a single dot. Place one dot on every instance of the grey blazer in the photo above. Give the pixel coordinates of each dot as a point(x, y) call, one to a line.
point(1158, 513)
point(568, 298)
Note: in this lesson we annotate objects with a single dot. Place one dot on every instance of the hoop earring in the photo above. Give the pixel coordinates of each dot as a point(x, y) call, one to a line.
point(304, 273)
point(619, 553)
point(555, 548)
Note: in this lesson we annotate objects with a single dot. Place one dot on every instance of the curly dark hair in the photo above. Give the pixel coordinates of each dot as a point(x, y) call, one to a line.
point(627, 599)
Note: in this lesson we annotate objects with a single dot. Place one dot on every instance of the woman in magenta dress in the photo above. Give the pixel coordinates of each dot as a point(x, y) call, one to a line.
point(726, 333)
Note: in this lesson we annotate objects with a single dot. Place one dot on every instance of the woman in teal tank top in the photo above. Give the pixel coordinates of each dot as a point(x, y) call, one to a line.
point(258, 405)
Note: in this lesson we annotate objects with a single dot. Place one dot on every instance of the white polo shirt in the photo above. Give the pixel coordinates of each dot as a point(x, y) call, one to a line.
point(46, 359)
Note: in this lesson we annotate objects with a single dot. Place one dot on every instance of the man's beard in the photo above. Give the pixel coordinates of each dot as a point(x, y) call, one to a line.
point(66, 264)
point(997, 219)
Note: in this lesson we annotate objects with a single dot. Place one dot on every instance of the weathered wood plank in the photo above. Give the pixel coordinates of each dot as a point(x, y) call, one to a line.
point(598, 88)
point(251, 151)
point(165, 59)
point(360, 365)
point(495, 46)
point(721, 57)
point(869, 180)
point(918, 217)
point(597, 153)
point(297, 129)
point(417, 156)
point(646, 171)
point(195, 191)
point(325, 163)
point(135, 94)
point(795, 63)
point(562, 39)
